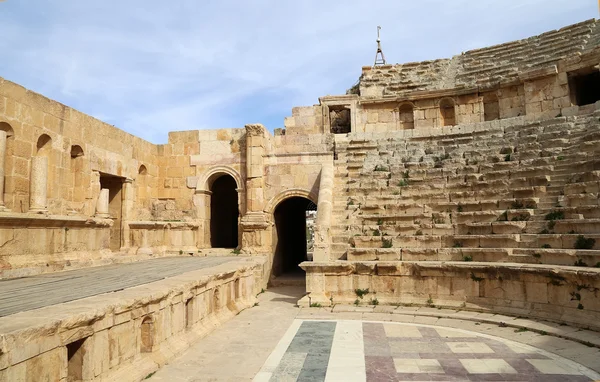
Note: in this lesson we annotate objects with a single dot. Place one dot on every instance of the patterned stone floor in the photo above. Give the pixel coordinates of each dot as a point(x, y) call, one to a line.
point(375, 351)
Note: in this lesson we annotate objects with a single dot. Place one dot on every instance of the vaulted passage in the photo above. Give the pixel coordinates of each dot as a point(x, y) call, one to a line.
point(292, 234)
point(224, 213)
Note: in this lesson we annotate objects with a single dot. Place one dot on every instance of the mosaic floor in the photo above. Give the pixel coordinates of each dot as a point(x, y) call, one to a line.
point(375, 351)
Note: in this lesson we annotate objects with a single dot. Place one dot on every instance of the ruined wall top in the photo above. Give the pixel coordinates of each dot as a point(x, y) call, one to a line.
point(481, 67)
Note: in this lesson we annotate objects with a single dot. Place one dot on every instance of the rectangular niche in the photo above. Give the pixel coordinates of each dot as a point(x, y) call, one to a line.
point(340, 119)
point(584, 86)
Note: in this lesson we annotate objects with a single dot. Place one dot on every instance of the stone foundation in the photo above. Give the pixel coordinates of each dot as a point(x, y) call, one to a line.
point(562, 294)
point(129, 334)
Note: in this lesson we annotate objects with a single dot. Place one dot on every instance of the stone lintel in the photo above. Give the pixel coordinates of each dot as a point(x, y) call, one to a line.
point(538, 73)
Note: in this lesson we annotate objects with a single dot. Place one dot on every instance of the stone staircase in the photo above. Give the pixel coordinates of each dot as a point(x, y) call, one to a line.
point(504, 191)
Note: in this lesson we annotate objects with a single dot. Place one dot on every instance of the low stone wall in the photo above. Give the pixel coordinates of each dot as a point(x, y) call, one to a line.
point(129, 334)
point(161, 237)
point(33, 244)
point(562, 294)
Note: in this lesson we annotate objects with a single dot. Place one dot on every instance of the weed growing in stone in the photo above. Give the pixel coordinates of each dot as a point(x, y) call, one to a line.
point(580, 263)
point(584, 243)
point(361, 292)
point(555, 215)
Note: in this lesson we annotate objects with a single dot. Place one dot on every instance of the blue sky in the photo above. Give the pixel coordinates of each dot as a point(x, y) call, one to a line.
point(150, 67)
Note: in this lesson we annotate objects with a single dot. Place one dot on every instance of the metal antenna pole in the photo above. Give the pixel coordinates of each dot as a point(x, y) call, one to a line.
point(379, 57)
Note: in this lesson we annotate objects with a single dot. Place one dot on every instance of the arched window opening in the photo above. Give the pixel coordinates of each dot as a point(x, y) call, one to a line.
point(407, 116)
point(447, 113)
point(224, 213)
point(142, 170)
point(147, 335)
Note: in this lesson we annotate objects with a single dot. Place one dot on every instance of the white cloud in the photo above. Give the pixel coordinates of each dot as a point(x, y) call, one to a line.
point(151, 67)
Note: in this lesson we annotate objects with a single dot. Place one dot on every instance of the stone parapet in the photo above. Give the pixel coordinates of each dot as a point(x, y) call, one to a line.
point(560, 294)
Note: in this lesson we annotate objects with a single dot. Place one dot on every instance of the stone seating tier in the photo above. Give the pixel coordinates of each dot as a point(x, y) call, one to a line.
point(487, 65)
point(525, 193)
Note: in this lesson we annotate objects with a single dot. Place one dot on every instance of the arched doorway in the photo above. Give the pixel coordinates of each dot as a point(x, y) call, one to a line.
point(224, 213)
point(294, 219)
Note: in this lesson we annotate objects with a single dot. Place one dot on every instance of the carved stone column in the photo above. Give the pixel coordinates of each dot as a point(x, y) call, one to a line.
point(2, 164)
point(38, 186)
point(102, 208)
point(255, 222)
point(324, 211)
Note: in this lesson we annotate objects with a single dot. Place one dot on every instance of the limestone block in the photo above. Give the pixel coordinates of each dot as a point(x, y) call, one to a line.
point(121, 343)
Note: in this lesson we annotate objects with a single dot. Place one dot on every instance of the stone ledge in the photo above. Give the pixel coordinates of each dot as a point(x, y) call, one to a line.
point(24, 220)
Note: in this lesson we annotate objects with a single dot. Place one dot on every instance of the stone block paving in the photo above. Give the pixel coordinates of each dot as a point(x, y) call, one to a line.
point(376, 351)
point(27, 293)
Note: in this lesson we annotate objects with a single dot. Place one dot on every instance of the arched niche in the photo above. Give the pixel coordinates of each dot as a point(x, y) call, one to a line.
point(8, 160)
point(77, 172)
point(147, 335)
point(447, 112)
point(44, 145)
point(406, 116)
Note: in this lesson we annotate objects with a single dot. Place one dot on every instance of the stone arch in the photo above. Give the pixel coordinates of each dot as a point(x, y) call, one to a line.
point(44, 145)
point(447, 112)
point(210, 175)
point(147, 335)
point(290, 193)
point(406, 115)
point(288, 214)
point(142, 170)
point(204, 199)
point(76, 151)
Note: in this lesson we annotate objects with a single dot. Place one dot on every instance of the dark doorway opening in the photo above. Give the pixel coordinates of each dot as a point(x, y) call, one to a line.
point(224, 213)
point(340, 120)
point(293, 235)
point(75, 356)
point(584, 86)
point(114, 184)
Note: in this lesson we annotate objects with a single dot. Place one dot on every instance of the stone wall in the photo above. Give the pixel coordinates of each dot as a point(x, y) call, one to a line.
point(566, 294)
point(125, 335)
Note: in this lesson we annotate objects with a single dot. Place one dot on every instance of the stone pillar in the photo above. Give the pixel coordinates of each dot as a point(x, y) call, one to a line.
point(255, 222)
point(3, 137)
point(322, 242)
point(38, 186)
point(127, 210)
point(102, 210)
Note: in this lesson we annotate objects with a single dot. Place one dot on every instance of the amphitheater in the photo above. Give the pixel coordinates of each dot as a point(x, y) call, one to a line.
point(457, 232)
